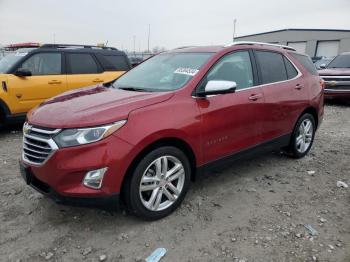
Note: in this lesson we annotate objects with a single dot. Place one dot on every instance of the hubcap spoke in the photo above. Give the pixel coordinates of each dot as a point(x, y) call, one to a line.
point(299, 140)
point(158, 199)
point(158, 165)
point(164, 166)
point(148, 187)
point(152, 199)
point(176, 168)
point(168, 194)
point(173, 188)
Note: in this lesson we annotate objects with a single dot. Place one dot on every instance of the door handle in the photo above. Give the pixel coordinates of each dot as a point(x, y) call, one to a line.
point(298, 86)
point(255, 97)
point(97, 80)
point(52, 82)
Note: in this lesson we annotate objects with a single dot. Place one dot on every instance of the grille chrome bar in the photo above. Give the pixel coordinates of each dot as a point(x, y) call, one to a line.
point(38, 144)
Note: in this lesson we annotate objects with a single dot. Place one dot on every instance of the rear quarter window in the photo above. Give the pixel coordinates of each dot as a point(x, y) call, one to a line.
point(272, 67)
point(113, 62)
point(291, 71)
point(306, 63)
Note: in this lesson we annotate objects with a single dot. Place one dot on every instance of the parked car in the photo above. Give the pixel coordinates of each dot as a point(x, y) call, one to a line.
point(337, 77)
point(135, 61)
point(322, 63)
point(142, 138)
point(29, 76)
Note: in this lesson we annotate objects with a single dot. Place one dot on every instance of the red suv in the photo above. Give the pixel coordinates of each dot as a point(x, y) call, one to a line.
point(143, 137)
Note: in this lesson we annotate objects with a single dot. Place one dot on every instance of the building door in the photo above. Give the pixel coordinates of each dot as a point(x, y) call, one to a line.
point(299, 46)
point(327, 48)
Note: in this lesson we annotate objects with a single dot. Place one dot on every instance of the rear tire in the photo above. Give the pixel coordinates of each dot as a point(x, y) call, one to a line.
point(303, 136)
point(158, 184)
point(2, 119)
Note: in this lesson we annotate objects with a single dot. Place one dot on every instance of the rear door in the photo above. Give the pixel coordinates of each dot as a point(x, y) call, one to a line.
point(83, 70)
point(284, 91)
point(47, 80)
point(231, 122)
point(114, 65)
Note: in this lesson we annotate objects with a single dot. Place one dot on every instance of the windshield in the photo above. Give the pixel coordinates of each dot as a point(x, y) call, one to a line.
point(9, 60)
point(341, 61)
point(164, 72)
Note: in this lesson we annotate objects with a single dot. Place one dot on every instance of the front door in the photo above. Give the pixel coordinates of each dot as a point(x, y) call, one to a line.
point(231, 122)
point(45, 82)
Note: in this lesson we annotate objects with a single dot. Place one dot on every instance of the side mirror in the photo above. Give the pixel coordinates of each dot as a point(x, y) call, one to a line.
point(216, 87)
point(323, 66)
point(21, 72)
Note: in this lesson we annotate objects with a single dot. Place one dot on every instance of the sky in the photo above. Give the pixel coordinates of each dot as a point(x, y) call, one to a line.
point(173, 23)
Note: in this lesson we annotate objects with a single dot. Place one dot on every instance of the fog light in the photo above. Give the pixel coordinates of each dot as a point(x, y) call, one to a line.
point(93, 179)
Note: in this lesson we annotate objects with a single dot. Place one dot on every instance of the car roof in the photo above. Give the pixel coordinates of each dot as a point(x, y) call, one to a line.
point(234, 45)
point(78, 49)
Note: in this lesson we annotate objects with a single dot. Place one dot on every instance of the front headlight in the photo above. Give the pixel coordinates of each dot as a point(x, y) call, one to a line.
point(81, 136)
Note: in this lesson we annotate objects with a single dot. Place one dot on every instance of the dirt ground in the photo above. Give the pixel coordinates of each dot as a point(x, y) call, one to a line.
point(254, 210)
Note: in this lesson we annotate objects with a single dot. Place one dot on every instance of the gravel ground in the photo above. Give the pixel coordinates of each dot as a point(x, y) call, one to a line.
point(254, 210)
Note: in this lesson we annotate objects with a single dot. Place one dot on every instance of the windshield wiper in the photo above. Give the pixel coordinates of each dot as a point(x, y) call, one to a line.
point(129, 88)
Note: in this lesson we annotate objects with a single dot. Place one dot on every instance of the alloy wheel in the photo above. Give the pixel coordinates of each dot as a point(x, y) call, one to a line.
point(162, 183)
point(304, 137)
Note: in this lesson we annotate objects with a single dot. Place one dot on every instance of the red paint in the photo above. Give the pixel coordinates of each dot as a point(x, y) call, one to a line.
point(212, 127)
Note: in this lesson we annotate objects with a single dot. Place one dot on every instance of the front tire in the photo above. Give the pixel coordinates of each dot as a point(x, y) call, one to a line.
point(303, 136)
point(158, 184)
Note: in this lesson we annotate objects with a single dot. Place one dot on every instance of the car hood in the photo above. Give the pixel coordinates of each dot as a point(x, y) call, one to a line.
point(334, 72)
point(92, 106)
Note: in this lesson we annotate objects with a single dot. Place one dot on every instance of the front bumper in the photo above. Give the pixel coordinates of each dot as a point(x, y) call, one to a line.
point(337, 86)
point(61, 175)
point(110, 202)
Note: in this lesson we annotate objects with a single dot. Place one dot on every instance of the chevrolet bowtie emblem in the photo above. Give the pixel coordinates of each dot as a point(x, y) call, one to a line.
point(333, 83)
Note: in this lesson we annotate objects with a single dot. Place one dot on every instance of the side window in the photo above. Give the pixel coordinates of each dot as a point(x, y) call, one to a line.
point(44, 64)
point(233, 67)
point(82, 64)
point(114, 62)
point(272, 67)
point(291, 71)
point(306, 62)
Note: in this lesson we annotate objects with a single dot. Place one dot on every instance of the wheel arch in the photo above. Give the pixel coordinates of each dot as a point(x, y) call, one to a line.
point(4, 110)
point(311, 110)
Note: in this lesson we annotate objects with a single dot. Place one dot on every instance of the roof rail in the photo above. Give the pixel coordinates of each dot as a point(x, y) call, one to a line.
point(183, 47)
point(260, 43)
point(76, 46)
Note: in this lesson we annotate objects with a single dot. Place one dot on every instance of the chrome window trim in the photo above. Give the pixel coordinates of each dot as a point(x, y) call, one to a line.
point(300, 74)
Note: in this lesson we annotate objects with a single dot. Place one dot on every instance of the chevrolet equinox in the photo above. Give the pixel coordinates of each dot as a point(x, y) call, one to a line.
point(142, 138)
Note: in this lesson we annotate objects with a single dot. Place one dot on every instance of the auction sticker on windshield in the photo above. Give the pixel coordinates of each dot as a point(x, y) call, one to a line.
point(186, 71)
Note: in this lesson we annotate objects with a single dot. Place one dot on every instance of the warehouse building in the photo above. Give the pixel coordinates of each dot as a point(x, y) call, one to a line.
point(314, 42)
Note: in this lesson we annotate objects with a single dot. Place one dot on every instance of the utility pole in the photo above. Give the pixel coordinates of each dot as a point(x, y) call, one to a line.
point(234, 29)
point(134, 45)
point(149, 34)
point(54, 38)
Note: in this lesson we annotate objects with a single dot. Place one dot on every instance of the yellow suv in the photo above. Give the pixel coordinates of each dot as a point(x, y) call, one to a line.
point(29, 76)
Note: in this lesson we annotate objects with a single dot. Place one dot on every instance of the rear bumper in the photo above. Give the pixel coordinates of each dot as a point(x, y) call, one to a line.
point(110, 202)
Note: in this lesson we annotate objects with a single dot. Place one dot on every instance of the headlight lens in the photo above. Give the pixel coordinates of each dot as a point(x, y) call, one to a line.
point(81, 136)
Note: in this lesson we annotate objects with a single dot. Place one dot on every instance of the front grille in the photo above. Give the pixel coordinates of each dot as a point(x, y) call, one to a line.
point(38, 144)
point(336, 78)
